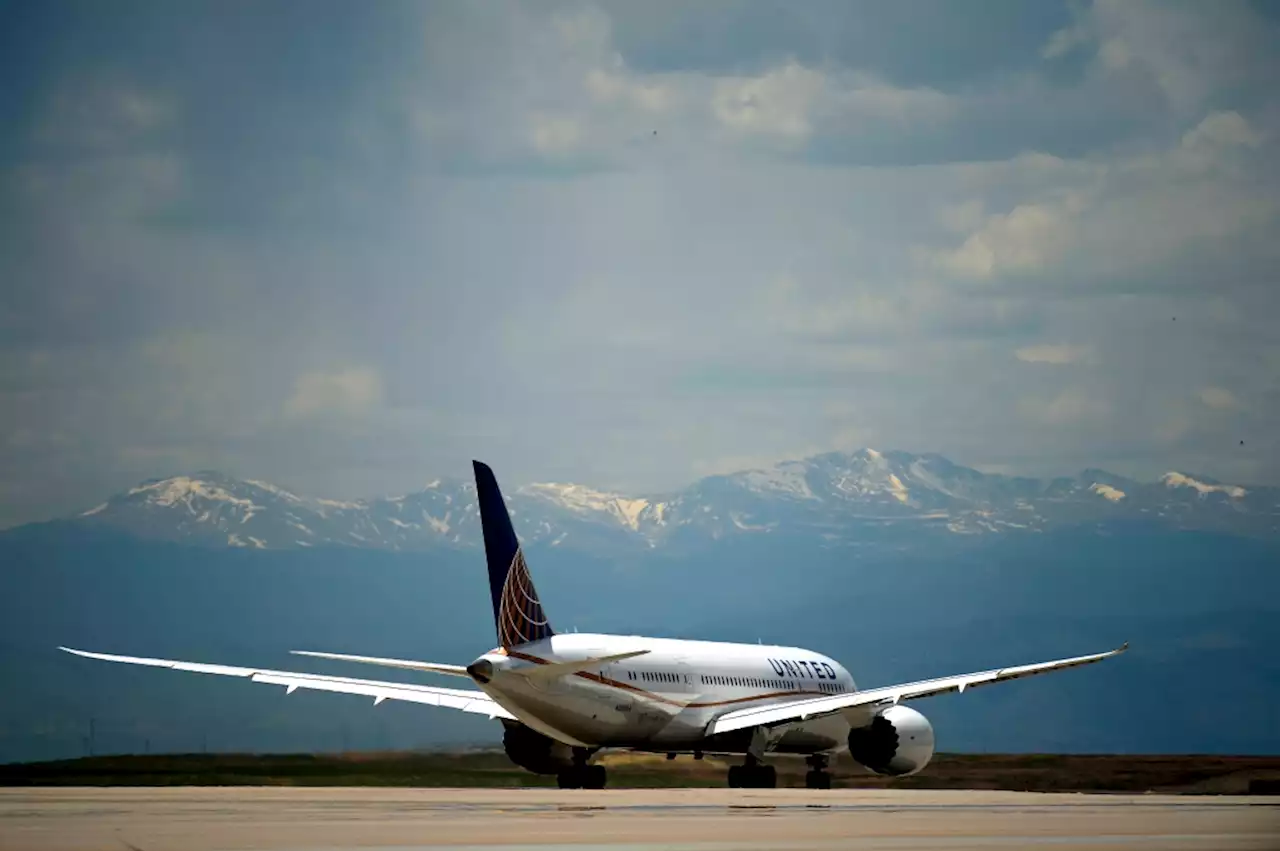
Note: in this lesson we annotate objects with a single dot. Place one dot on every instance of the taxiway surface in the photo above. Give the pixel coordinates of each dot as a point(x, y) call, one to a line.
point(204, 819)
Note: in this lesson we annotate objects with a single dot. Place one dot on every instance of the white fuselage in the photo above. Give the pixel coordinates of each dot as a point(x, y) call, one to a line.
point(664, 699)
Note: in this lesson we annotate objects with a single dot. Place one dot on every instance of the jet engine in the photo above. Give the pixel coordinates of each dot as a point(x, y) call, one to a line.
point(897, 742)
point(533, 751)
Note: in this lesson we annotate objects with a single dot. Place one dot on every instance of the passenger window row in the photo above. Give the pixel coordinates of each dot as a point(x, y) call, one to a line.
point(757, 682)
point(719, 680)
point(653, 676)
point(752, 682)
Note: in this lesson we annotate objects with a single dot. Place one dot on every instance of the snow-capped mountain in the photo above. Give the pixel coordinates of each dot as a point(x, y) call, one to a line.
point(209, 507)
point(835, 496)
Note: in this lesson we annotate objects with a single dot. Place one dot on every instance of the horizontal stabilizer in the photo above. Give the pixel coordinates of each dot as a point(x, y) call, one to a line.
point(551, 670)
point(407, 664)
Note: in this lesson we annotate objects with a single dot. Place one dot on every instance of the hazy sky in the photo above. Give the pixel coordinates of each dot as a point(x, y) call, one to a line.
point(347, 247)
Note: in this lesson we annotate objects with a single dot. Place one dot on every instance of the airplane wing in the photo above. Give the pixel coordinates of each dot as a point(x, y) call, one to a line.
point(802, 710)
point(467, 700)
point(408, 664)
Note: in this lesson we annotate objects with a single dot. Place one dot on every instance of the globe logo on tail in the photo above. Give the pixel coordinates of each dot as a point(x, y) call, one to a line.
point(520, 616)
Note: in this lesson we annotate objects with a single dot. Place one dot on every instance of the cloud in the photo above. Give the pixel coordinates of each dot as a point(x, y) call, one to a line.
point(963, 217)
point(555, 135)
point(618, 88)
point(1065, 40)
point(347, 391)
point(797, 105)
point(1221, 129)
point(1073, 406)
point(1216, 144)
point(1026, 239)
point(1180, 51)
point(1057, 354)
point(102, 113)
point(723, 466)
point(1118, 221)
point(1218, 398)
point(777, 103)
point(562, 89)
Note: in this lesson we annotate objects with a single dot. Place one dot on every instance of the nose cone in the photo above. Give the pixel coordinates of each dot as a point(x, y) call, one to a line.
point(481, 670)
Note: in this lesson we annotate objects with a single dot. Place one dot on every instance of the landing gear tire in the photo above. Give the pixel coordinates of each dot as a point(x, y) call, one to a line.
point(817, 780)
point(817, 777)
point(582, 777)
point(593, 777)
point(757, 776)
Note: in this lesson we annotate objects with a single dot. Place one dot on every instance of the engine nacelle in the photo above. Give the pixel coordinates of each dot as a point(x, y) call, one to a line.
point(533, 751)
point(897, 742)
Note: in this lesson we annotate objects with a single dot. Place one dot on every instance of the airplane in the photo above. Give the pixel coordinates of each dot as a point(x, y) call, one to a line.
point(563, 698)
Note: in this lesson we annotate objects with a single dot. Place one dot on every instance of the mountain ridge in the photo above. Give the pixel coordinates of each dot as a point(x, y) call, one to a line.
point(834, 495)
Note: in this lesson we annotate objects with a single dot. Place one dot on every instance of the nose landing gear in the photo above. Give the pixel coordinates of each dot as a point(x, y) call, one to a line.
point(817, 776)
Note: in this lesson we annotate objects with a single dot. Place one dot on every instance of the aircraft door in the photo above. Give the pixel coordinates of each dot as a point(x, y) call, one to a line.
point(688, 678)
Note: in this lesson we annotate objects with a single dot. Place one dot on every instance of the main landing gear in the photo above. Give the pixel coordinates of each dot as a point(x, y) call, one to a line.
point(582, 775)
point(817, 776)
point(753, 774)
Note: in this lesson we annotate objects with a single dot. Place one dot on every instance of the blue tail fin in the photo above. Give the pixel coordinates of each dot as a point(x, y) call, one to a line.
point(516, 608)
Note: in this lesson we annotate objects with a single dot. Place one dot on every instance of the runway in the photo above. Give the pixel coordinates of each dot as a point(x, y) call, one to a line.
point(310, 819)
